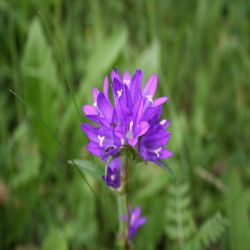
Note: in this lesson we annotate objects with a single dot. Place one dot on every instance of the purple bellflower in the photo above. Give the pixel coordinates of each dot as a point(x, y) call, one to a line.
point(113, 174)
point(135, 221)
point(132, 121)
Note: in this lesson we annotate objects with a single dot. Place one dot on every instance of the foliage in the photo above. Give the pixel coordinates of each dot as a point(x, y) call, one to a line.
point(180, 221)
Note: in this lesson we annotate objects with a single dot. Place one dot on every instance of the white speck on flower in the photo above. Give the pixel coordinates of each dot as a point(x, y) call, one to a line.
point(112, 177)
point(149, 98)
point(101, 140)
point(126, 81)
point(129, 134)
point(162, 122)
point(119, 93)
point(157, 152)
point(131, 125)
point(95, 104)
point(122, 141)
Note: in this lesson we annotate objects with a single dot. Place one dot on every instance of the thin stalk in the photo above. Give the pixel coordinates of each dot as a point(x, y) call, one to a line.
point(121, 206)
point(123, 209)
point(126, 191)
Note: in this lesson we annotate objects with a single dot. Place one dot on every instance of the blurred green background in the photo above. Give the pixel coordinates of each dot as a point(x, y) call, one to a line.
point(54, 52)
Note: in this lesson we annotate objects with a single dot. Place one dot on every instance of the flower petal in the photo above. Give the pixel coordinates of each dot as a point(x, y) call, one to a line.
point(152, 114)
point(115, 163)
point(129, 102)
point(156, 140)
point(90, 131)
point(142, 221)
point(115, 74)
point(89, 110)
point(143, 128)
point(94, 149)
point(150, 87)
point(132, 142)
point(117, 87)
point(159, 101)
point(165, 153)
point(137, 111)
point(94, 118)
point(164, 123)
point(126, 78)
point(106, 87)
point(136, 213)
point(135, 85)
point(105, 107)
point(95, 93)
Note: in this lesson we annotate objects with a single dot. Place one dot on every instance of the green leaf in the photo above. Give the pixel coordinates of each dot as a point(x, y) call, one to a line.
point(27, 156)
point(212, 230)
point(238, 205)
point(88, 167)
point(102, 60)
point(41, 84)
point(179, 220)
point(82, 228)
point(169, 170)
point(55, 240)
point(106, 53)
point(150, 59)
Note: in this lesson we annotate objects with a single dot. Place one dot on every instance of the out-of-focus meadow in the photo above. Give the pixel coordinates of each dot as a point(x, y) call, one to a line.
point(54, 52)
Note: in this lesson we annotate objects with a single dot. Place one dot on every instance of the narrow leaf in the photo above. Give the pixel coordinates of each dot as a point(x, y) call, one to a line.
point(85, 166)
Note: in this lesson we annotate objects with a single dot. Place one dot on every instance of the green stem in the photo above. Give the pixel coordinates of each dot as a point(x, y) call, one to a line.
point(123, 208)
point(126, 190)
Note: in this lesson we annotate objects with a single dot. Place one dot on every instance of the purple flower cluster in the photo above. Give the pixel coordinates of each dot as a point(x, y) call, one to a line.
point(135, 221)
point(130, 120)
point(133, 120)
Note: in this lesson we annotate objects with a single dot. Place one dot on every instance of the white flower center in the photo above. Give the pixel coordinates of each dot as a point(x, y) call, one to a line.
point(157, 152)
point(112, 177)
point(101, 140)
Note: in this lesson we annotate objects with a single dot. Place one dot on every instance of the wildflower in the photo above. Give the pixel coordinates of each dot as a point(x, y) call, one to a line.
point(113, 176)
point(133, 121)
point(135, 221)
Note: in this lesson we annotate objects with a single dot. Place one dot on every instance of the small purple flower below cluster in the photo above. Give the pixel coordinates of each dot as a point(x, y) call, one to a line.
point(133, 120)
point(135, 221)
point(113, 175)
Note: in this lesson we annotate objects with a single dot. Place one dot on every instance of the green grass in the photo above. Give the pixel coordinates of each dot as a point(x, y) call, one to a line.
point(54, 52)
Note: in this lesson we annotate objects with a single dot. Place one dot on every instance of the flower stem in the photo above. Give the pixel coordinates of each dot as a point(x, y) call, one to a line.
point(126, 191)
point(123, 209)
point(121, 205)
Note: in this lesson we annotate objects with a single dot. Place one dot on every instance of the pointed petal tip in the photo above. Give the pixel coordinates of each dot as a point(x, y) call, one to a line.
point(166, 153)
point(143, 128)
point(142, 221)
point(86, 128)
point(150, 86)
point(94, 149)
point(82, 126)
point(89, 110)
point(160, 101)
